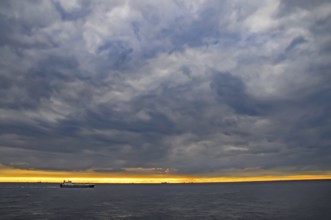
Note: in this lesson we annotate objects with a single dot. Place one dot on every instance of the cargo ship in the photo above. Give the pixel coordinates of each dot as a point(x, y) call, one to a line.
point(69, 184)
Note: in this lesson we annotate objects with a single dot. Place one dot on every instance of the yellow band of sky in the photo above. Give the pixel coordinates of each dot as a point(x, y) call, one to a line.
point(18, 175)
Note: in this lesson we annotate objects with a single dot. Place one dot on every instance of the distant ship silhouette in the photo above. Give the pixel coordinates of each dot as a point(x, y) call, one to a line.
point(69, 184)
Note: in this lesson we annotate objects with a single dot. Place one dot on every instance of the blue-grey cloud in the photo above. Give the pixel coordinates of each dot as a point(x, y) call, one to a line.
point(193, 86)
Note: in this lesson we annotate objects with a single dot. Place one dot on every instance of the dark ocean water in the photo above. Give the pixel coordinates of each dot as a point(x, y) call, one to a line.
point(273, 200)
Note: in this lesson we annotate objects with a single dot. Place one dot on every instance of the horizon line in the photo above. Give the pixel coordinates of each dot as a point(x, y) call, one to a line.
point(174, 183)
point(147, 180)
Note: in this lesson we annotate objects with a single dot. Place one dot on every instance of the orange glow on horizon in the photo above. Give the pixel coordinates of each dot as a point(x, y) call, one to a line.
point(17, 175)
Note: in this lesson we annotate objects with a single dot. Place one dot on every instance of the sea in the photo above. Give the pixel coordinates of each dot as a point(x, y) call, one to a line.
point(259, 200)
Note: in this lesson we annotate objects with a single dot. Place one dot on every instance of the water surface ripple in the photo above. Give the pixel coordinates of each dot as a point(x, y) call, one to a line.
point(273, 200)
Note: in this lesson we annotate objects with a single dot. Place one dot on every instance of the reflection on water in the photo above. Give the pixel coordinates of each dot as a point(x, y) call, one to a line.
point(276, 200)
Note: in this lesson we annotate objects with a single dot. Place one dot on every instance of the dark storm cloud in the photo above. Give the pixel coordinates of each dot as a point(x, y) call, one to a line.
point(289, 6)
point(231, 90)
point(195, 86)
point(295, 42)
point(76, 13)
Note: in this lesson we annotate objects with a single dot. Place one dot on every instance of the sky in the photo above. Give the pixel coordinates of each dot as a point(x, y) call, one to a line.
point(167, 88)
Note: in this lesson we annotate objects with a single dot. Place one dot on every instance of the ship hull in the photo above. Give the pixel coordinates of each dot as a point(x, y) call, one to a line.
point(77, 186)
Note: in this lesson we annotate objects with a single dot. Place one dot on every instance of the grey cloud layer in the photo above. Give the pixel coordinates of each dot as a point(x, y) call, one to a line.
point(195, 86)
